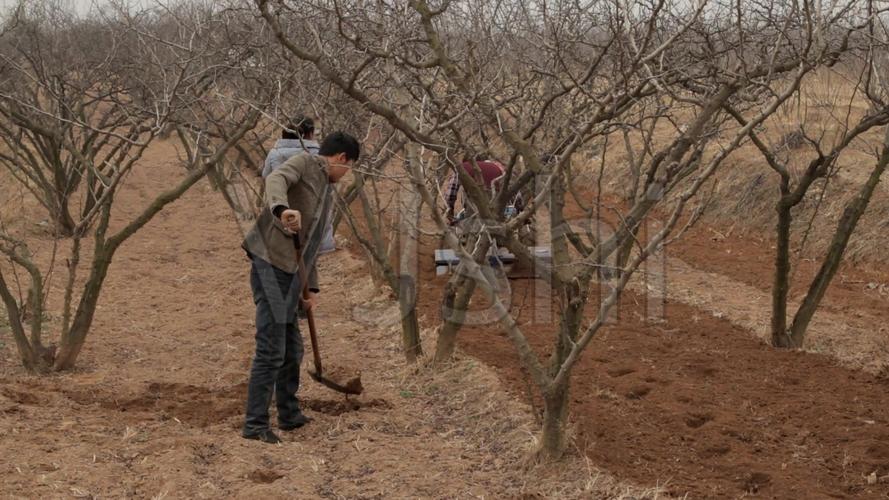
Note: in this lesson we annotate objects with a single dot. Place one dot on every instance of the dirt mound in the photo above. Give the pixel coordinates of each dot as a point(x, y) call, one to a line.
point(264, 476)
point(344, 379)
point(345, 405)
point(189, 404)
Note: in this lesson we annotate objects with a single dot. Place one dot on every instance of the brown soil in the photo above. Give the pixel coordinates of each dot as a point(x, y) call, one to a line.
point(749, 258)
point(341, 377)
point(155, 406)
point(695, 403)
point(701, 406)
point(728, 271)
point(747, 255)
point(190, 404)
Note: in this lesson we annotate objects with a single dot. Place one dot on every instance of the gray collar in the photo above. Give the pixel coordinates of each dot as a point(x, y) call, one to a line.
point(296, 143)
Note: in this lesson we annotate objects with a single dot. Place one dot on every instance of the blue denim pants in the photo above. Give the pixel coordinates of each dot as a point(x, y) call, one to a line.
point(279, 347)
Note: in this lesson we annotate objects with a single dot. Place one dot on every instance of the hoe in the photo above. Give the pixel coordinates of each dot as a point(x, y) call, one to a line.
point(337, 378)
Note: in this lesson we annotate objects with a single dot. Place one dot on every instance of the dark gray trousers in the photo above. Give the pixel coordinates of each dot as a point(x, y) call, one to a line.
point(279, 347)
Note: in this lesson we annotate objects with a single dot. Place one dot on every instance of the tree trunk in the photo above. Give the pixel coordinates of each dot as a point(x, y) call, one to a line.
point(411, 201)
point(555, 417)
point(454, 306)
point(555, 399)
point(622, 257)
point(623, 254)
point(410, 325)
point(781, 284)
point(71, 344)
point(455, 303)
point(846, 226)
point(73, 263)
point(30, 359)
point(573, 298)
point(378, 272)
point(63, 225)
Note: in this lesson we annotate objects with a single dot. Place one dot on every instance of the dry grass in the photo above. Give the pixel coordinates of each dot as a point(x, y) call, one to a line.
point(745, 189)
point(746, 195)
point(472, 406)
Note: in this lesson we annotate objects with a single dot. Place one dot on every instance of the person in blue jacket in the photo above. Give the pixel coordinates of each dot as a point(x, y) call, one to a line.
point(299, 137)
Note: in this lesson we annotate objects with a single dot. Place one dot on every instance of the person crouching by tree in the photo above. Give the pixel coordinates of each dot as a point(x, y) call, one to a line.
point(298, 198)
point(486, 172)
point(489, 174)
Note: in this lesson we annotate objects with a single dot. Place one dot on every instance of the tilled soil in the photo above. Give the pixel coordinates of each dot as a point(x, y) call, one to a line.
point(702, 406)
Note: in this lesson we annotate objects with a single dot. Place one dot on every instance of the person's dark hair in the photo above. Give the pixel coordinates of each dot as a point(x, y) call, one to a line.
point(299, 127)
point(340, 142)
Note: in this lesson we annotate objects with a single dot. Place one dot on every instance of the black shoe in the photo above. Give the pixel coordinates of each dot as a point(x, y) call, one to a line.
point(265, 435)
point(296, 423)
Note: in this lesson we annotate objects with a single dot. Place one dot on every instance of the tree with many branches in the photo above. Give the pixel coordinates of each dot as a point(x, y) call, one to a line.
point(74, 126)
point(546, 87)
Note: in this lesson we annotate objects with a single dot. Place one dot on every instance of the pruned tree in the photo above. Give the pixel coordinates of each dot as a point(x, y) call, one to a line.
point(798, 173)
point(48, 89)
point(525, 81)
point(389, 242)
point(75, 128)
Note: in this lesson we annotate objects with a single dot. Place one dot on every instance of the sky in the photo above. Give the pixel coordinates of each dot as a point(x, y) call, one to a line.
point(82, 6)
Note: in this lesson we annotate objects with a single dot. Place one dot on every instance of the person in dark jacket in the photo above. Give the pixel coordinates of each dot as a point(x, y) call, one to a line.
point(298, 200)
point(299, 137)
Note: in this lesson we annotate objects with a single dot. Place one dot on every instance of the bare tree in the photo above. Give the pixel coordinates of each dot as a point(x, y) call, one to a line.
point(78, 128)
point(525, 81)
point(48, 89)
point(827, 141)
point(390, 242)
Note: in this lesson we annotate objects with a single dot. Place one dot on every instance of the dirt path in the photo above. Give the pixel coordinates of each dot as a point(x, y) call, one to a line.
point(857, 338)
point(164, 420)
point(699, 404)
point(155, 408)
point(731, 277)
